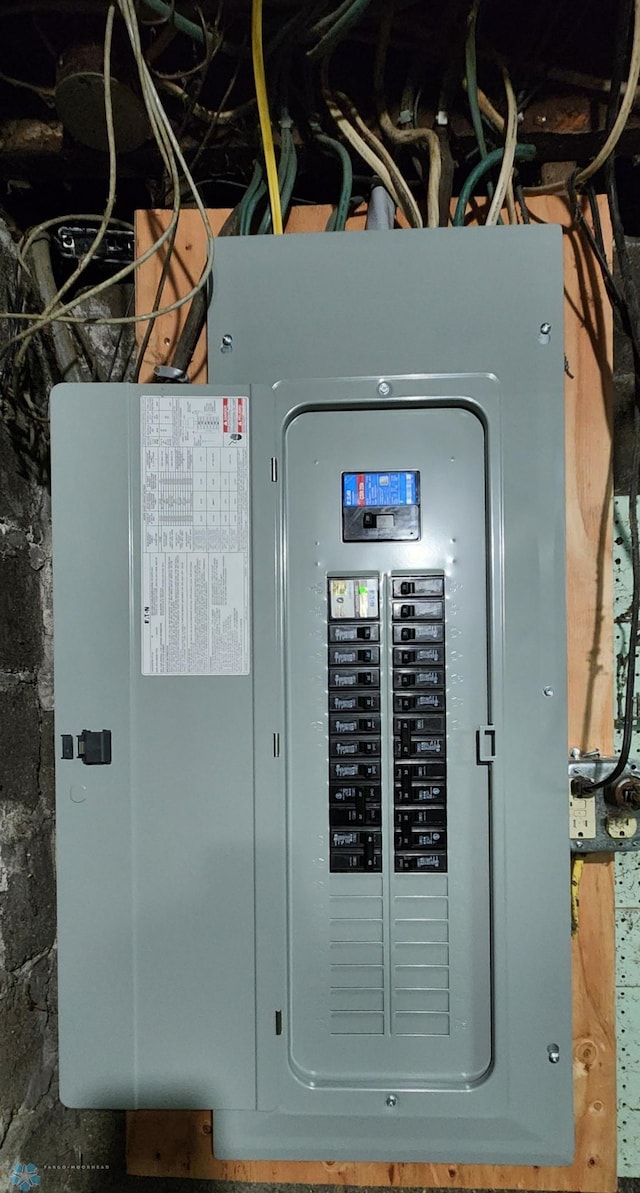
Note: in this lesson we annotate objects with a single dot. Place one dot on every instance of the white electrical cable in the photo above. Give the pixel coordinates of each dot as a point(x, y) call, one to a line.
point(369, 156)
point(556, 188)
point(510, 141)
point(54, 302)
point(407, 136)
point(172, 157)
point(407, 201)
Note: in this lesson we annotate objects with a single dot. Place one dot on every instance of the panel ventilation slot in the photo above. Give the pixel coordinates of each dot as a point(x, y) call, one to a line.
point(421, 962)
point(357, 968)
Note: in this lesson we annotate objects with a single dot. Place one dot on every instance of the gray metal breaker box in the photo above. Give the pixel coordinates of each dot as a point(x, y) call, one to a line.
point(313, 864)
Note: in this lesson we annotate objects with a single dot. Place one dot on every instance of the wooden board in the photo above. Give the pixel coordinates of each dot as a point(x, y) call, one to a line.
point(178, 1143)
point(187, 261)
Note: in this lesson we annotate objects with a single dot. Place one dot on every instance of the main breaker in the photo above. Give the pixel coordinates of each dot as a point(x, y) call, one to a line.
point(311, 711)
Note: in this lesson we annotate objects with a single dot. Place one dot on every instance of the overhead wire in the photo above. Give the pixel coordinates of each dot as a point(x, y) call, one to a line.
point(522, 153)
point(169, 159)
point(162, 281)
point(173, 158)
point(406, 136)
point(370, 149)
point(325, 23)
point(266, 133)
point(182, 23)
point(46, 94)
point(471, 86)
point(254, 187)
point(220, 116)
point(87, 257)
point(471, 70)
point(631, 301)
point(509, 152)
point(344, 17)
point(287, 171)
point(522, 203)
point(355, 140)
point(406, 199)
point(206, 114)
point(212, 47)
point(618, 126)
point(338, 218)
point(627, 301)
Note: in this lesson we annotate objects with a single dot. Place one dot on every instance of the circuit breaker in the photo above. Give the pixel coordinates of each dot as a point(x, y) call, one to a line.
point(311, 710)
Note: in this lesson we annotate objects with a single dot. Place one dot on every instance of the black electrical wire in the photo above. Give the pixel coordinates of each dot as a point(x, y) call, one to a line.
point(628, 303)
point(522, 203)
point(166, 266)
point(632, 306)
point(190, 334)
point(596, 244)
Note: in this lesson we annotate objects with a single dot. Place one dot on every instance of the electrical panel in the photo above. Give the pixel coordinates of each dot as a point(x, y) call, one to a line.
point(311, 710)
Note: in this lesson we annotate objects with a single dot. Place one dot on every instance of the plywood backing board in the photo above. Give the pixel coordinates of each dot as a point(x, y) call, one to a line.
point(178, 1143)
point(187, 261)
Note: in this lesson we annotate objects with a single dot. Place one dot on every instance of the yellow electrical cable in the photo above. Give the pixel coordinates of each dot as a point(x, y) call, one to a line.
point(263, 112)
point(577, 866)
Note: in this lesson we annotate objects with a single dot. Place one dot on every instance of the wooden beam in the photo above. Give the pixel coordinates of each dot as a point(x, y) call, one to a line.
point(178, 1143)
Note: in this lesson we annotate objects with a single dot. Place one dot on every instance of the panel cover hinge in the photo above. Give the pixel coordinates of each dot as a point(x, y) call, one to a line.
point(486, 738)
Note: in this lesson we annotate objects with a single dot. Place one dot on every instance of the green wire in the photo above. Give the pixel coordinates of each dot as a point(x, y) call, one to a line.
point(322, 26)
point(523, 153)
point(338, 218)
point(246, 206)
point(471, 69)
point(348, 17)
point(182, 24)
point(290, 177)
point(250, 209)
point(287, 173)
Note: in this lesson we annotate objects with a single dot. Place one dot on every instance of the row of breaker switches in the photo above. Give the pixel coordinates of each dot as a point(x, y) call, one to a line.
point(355, 741)
point(419, 728)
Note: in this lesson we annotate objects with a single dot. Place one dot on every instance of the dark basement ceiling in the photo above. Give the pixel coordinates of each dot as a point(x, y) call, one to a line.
point(559, 55)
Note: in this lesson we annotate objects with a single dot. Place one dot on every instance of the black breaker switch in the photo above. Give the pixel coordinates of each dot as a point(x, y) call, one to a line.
point(355, 742)
point(420, 802)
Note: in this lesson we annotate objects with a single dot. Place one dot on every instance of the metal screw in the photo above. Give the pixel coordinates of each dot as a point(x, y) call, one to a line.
point(554, 1053)
point(545, 329)
point(392, 1101)
point(575, 752)
point(384, 389)
point(547, 691)
point(578, 844)
point(227, 343)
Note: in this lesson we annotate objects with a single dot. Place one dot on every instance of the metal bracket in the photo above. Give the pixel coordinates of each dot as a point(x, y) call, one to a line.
point(605, 820)
point(486, 744)
point(164, 374)
point(74, 240)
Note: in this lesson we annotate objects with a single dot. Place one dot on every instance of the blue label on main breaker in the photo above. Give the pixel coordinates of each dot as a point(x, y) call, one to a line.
point(379, 489)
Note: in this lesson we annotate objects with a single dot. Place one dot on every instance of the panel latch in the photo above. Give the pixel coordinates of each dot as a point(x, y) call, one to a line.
point(94, 747)
point(486, 744)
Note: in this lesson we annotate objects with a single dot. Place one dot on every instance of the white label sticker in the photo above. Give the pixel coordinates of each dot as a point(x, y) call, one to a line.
point(195, 535)
point(353, 597)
